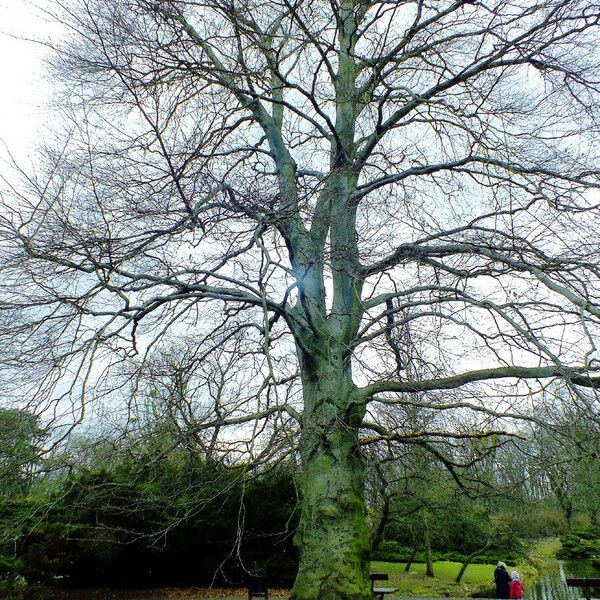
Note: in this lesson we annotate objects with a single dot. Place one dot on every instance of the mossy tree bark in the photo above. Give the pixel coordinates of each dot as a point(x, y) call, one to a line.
point(333, 536)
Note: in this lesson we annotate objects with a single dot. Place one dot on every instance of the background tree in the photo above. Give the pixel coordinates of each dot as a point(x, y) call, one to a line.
point(562, 454)
point(21, 440)
point(289, 182)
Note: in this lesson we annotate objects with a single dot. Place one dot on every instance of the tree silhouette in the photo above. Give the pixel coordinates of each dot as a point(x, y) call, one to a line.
point(287, 185)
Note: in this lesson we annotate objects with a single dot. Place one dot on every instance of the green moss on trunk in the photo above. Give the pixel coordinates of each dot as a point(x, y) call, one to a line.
point(333, 536)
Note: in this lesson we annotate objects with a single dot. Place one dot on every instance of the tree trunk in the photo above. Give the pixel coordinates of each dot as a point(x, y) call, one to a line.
point(564, 500)
point(468, 560)
point(385, 514)
point(463, 568)
point(429, 571)
point(333, 536)
point(410, 560)
point(567, 506)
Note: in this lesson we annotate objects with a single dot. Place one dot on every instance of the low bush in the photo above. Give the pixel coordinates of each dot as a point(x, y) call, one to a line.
point(9, 565)
point(13, 586)
point(582, 542)
point(392, 551)
point(116, 528)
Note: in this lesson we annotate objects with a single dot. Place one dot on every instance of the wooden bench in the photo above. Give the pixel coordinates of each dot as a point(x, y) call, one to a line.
point(257, 586)
point(586, 583)
point(380, 592)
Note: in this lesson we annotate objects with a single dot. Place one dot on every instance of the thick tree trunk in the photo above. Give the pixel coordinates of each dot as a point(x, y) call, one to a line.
point(333, 536)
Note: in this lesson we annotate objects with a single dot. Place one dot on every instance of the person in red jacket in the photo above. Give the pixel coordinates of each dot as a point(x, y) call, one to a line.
point(516, 585)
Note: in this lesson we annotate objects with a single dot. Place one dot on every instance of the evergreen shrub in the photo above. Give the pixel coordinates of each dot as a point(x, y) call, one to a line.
point(582, 542)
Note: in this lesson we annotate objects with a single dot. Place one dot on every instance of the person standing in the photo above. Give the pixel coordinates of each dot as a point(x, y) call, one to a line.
point(502, 579)
point(516, 585)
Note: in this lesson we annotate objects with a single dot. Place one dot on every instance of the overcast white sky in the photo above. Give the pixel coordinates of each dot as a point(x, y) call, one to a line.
point(24, 91)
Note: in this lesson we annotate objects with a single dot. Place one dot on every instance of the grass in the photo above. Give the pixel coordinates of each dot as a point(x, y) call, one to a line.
point(477, 580)
point(547, 549)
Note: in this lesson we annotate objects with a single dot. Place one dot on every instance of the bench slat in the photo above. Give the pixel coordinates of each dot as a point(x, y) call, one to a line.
point(583, 581)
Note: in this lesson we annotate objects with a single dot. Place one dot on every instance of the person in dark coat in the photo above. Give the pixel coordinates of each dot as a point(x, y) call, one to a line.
point(502, 579)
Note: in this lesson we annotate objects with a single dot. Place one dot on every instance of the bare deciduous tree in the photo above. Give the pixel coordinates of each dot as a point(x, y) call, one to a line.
point(296, 182)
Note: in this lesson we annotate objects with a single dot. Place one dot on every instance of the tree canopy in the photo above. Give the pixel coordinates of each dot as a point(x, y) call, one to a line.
point(332, 213)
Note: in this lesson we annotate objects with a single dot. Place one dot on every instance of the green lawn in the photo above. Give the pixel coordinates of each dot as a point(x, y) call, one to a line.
point(477, 578)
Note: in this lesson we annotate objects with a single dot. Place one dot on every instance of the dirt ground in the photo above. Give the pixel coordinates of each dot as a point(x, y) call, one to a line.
point(192, 593)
